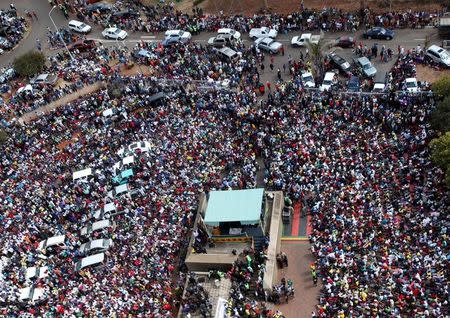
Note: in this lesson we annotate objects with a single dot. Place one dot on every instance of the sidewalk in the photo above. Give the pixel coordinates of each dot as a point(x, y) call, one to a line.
point(306, 293)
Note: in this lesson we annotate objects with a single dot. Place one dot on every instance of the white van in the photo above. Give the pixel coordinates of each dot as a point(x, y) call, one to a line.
point(36, 272)
point(97, 226)
point(52, 241)
point(79, 27)
point(93, 260)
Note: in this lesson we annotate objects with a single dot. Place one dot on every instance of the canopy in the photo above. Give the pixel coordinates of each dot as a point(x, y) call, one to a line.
point(234, 206)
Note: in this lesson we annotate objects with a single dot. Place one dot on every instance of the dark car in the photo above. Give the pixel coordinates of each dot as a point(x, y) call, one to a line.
point(83, 45)
point(170, 41)
point(340, 63)
point(345, 42)
point(353, 84)
point(102, 7)
point(125, 14)
point(379, 33)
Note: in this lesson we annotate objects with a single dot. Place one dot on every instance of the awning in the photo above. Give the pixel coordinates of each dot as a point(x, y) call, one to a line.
point(234, 206)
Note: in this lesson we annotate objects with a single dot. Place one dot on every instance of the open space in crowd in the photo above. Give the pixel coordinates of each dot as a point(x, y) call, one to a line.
point(98, 195)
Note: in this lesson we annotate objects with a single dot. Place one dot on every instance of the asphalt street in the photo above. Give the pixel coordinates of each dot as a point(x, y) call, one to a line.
point(405, 37)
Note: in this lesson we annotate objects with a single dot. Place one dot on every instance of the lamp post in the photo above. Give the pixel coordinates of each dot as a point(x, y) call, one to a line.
point(60, 36)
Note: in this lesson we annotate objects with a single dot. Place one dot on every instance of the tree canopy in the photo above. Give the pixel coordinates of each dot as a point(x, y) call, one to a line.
point(30, 63)
point(440, 148)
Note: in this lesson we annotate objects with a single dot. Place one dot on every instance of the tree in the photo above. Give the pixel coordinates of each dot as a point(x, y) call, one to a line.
point(441, 87)
point(440, 154)
point(30, 63)
point(317, 55)
point(440, 118)
point(3, 136)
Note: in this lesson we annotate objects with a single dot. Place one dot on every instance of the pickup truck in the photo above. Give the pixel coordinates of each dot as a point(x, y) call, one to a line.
point(44, 79)
point(263, 32)
point(299, 41)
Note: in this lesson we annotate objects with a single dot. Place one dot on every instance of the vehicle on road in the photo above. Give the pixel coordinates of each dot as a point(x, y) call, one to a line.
point(83, 45)
point(46, 78)
point(304, 39)
point(328, 81)
point(381, 82)
point(182, 36)
point(308, 80)
point(411, 85)
point(345, 42)
point(96, 246)
point(96, 260)
point(353, 84)
point(124, 14)
point(268, 45)
point(170, 41)
point(97, 226)
point(79, 27)
point(143, 54)
point(379, 33)
point(366, 67)
point(263, 32)
point(227, 53)
point(6, 75)
point(101, 7)
point(340, 63)
point(114, 33)
point(438, 55)
point(220, 40)
point(235, 34)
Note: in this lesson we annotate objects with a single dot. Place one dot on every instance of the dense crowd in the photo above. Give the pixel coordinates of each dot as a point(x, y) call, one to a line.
point(12, 28)
point(360, 164)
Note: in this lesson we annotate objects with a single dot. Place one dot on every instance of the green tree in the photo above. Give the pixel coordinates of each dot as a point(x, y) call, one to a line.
point(440, 118)
point(30, 63)
point(440, 154)
point(316, 57)
point(442, 87)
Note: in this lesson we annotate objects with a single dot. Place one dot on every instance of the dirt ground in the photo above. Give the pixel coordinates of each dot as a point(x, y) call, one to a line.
point(286, 6)
point(425, 73)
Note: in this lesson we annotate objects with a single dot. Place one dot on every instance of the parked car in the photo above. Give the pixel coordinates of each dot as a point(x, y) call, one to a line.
point(263, 32)
point(268, 45)
point(6, 75)
point(220, 40)
point(4, 43)
point(83, 45)
point(308, 80)
point(114, 33)
point(52, 241)
point(235, 34)
point(381, 82)
point(353, 84)
point(328, 81)
point(170, 41)
point(183, 36)
point(124, 14)
point(345, 42)
point(105, 212)
point(97, 226)
point(102, 7)
point(95, 246)
point(305, 38)
point(48, 79)
point(379, 33)
point(438, 55)
point(227, 53)
point(411, 85)
point(340, 63)
point(143, 54)
point(79, 27)
point(366, 67)
point(379, 88)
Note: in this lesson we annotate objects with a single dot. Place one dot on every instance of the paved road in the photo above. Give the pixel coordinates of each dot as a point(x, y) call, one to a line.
point(407, 38)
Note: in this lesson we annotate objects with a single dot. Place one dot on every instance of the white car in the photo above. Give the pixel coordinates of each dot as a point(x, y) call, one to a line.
point(439, 55)
point(299, 41)
point(235, 34)
point(411, 85)
point(181, 35)
point(263, 32)
point(379, 88)
point(79, 27)
point(328, 81)
point(308, 80)
point(114, 33)
point(268, 45)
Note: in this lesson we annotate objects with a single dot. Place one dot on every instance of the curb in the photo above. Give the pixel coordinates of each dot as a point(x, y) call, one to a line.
point(293, 239)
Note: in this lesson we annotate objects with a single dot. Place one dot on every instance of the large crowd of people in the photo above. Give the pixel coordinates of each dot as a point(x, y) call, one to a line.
point(359, 163)
point(12, 28)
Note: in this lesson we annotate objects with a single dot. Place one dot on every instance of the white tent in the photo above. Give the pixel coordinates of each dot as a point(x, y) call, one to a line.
point(82, 174)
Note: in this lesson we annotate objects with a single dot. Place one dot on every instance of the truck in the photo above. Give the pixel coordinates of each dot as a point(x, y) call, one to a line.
point(444, 26)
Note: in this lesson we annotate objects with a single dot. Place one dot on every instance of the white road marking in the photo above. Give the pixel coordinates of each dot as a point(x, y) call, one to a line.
point(148, 37)
point(419, 39)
